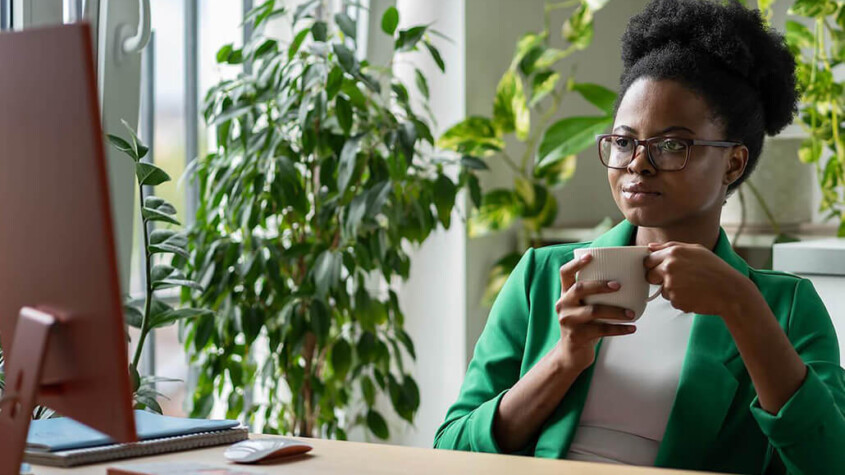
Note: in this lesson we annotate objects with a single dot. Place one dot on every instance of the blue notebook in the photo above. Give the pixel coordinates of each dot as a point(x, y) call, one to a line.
point(63, 433)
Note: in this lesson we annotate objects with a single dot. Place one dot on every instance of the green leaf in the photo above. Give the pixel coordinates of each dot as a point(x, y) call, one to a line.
point(474, 136)
point(369, 390)
point(435, 55)
point(172, 316)
point(344, 114)
point(319, 31)
point(812, 8)
point(409, 38)
point(334, 82)
point(132, 315)
point(542, 85)
point(403, 337)
point(123, 146)
point(149, 174)
point(444, 198)
point(498, 210)
point(341, 358)
point(422, 83)
point(377, 424)
point(546, 210)
point(510, 110)
point(578, 28)
point(164, 277)
point(150, 214)
point(569, 136)
point(137, 146)
point(522, 115)
point(159, 204)
point(474, 190)
point(558, 172)
point(167, 241)
point(503, 113)
point(297, 42)
point(327, 271)
point(224, 52)
point(549, 58)
point(798, 36)
point(347, 164)
point(599, 96)
point(346, 58)
point(346, 24)
point(366, 346)
point(320, 320)
point(390, 20)
point(810, 151)
point(473, 163)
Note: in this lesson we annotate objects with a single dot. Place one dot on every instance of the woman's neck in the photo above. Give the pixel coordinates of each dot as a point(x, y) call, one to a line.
point(706, 234)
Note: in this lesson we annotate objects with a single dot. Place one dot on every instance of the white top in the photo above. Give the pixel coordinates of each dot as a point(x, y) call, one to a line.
point(633, 388)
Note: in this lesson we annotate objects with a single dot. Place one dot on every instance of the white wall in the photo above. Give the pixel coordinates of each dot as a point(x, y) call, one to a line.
point(434, 297)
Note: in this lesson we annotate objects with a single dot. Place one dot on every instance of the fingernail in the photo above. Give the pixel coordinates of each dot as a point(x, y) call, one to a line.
point(585, 258)
point(629, 313)
point(631, 329)
point(614, 285)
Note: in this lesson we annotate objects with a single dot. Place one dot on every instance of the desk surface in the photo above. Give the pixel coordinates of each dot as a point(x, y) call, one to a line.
point(336, 457)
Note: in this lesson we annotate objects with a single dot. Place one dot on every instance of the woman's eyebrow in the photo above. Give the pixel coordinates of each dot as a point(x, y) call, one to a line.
point(667, 129)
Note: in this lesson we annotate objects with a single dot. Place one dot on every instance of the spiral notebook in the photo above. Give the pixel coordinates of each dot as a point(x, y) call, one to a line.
point(63, 442)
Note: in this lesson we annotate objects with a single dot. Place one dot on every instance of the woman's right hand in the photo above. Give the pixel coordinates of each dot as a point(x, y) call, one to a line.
point(579, 331)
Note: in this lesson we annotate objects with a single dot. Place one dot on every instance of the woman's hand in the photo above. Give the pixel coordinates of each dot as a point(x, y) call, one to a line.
point(694, 279)
point(579, 331)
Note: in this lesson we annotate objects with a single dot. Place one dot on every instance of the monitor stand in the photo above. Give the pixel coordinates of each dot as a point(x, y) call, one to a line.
point(23, 375)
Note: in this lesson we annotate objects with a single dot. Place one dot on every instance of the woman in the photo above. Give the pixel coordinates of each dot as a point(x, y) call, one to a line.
point(734, 369)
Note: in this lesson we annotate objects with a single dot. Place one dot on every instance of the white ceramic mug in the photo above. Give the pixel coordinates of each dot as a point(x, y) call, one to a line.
point(622, 264)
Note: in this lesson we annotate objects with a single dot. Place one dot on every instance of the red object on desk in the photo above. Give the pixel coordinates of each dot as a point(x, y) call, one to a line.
point(61, 321)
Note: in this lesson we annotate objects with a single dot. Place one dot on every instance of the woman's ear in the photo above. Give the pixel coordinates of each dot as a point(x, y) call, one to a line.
point(737, 161)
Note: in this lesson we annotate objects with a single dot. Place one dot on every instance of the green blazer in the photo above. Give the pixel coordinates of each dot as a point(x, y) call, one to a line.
point(715, 423)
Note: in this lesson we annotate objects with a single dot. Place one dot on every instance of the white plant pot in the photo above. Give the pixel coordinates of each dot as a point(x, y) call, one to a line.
point(785, 185)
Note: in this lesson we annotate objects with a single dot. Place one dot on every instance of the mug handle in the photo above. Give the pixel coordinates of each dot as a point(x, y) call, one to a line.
point(656, 293)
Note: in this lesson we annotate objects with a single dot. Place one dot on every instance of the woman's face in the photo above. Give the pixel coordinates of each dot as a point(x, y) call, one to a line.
point(653, 108)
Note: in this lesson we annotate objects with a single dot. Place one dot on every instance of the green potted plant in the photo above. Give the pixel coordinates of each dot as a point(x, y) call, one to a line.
point(319, 182)
point(822, 105)
point(526, 106)
point(164, 250)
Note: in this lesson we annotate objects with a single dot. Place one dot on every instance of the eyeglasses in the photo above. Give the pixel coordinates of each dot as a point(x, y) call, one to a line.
point(664, 153)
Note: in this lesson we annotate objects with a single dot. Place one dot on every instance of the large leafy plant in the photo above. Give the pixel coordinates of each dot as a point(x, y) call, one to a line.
point(527, 102)
point(319, 181)
point(164, 249)
point(818, 51)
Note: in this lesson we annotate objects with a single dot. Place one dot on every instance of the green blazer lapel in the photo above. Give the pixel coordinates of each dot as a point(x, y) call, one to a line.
point(707, 384)
point(557, 433)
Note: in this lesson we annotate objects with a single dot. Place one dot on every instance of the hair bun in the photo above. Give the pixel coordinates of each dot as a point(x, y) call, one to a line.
point(728, 36)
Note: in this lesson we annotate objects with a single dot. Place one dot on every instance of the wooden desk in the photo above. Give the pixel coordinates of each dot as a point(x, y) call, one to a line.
point(350, 458)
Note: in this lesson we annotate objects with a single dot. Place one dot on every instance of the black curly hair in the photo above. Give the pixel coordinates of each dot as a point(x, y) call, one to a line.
point(723, 52)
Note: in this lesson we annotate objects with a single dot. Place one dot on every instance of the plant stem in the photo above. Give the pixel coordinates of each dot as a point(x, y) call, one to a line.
point(145, 321)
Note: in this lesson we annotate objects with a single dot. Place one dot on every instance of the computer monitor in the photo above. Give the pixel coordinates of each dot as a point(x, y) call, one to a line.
point(61, 325)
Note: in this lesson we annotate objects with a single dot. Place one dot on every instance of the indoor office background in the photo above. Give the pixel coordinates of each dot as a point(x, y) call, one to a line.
point(442, 299)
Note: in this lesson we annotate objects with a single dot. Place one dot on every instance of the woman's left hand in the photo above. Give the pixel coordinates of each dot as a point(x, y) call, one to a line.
point(694, 279)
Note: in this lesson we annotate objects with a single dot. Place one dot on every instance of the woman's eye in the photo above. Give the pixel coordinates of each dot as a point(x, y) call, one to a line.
point(672, 146)
point(622, 143)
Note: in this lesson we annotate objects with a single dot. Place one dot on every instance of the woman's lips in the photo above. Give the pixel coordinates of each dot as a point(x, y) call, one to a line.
point(640, 197)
